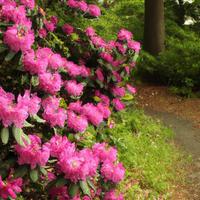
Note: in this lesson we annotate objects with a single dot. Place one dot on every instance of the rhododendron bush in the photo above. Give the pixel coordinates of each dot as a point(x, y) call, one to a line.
point(62, 80)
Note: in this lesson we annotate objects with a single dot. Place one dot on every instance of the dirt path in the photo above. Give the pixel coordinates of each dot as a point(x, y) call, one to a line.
point(183, 116)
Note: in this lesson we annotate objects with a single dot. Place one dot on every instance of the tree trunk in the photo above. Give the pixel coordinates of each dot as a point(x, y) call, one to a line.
point(154, 30)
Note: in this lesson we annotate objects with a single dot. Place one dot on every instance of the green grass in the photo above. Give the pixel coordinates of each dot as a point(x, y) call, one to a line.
point(145, 149)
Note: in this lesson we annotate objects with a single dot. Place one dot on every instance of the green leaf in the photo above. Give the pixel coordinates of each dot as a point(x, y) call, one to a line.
point(5, 135)
point(27, 124)
point(34, 175)
point(38, 119)
point(3, 48)
point(90, 183)
point(21, 171)
point(61, 182)
point(73, 190)
point(10, 56)
point(20, 136)
point(34, 81)
point(127, 97)
point(43, 170)
point(85, 188)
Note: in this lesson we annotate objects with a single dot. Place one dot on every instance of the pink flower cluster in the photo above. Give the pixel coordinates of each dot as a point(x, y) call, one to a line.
point(79, 165)
point(35, 154)
point(53, 114)
point(10, 187)
point(17, 113)
point(91, 9)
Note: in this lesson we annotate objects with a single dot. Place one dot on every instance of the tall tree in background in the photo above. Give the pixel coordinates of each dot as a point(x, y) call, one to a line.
point(154, 31)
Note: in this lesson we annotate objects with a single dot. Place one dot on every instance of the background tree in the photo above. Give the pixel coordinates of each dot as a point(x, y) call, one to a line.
point(154, 30)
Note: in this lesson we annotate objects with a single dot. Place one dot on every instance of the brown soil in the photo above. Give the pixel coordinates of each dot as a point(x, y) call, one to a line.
point(159, 98)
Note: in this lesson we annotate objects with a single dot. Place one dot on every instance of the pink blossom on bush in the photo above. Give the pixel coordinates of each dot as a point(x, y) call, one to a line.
point(111, 195)
point(68, 29)
point(94, 10)
point(131, 89)
point(60, 193)
point(29, 3)
point(104, 110)
point(118, 91)
point(73, 69)
point(34, 153)
point(19, 37)
point(82, 5)
point(112, 172)
point(73, 88)
point(134, 46)
point(10, 188)
point(75, 106)
point(99, 74)
point(72, 3)
point(31, 101)
point(76, 122)
point(117, 76)
point(58, 143)
point(125, 35)
point(50, 83)
point(56, 61)
point(42, 33)
point(118, 104)
point(90, 32)
point(92, 113)
point(54, 115)
point(98, 42)
point(104, 153)
point(106, 56)
point(104, 99)
point(33, 63)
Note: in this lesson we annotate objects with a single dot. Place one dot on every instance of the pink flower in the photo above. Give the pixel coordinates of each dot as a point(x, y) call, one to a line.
point(60, 193)
point(72, 3)
point(56, 61)
point(111, 195)
point(76, 122)
point(50, 83)
point(131, 89)
point(42, 33)
point(34, 63)
point(29, 3)
point(104, 110)
point(112, 172)
point(117, 76)
point(118, 104)
point(34, 153)
point(31, 101)
point(52, 113)
point(58, 143)
point(68, 29)
point(98, 42)
point(78, 166)
point(107, 57)
point(19, 37)
point(82, 5)
point(10, 187)
point(73, 69)
point(92, 113)
point(134, 46)
point(104, 99)
point(90, 32)
point(104, 153)
point(94, 10)
point(50, 26)
point(75, 106)
point(121, 48)
point(125, 35)
point(73, 88)
point(118, 91)
point(99, 74)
